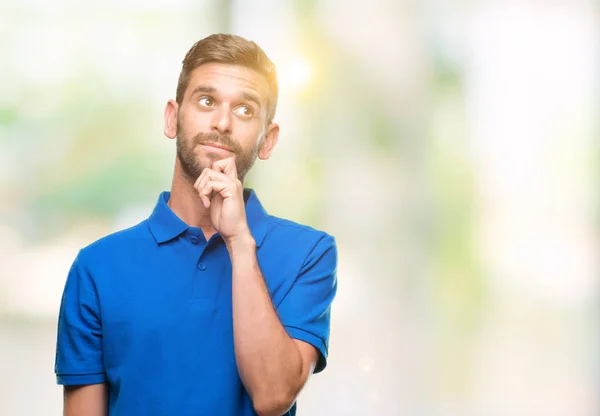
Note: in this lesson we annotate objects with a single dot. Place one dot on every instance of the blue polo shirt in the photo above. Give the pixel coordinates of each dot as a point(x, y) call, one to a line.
point(148, 311)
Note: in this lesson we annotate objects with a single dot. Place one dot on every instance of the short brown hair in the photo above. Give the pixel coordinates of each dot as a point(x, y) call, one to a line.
point(229, 49)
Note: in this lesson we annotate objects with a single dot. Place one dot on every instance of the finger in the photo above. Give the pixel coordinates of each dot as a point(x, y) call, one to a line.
point(229, 189)
point(205, 176)
point(223, 188)
point(206, 194)
point(227, 166)
point(198, 185)
point(213, 174)
point(199, 179)
point(205, 201)
point(204, 197)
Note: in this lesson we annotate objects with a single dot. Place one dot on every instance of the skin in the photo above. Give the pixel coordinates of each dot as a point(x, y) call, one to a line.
point(91, 400)
point(226, 105)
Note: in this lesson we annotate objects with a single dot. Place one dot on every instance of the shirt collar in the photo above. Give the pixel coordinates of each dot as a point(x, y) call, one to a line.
point(165, 225)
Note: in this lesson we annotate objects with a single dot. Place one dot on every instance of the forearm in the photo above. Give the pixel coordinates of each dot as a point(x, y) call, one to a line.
point(89, 400)
point(269, 362)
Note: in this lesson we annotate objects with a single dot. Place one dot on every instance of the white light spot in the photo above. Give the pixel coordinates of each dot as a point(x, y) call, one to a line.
point(296, 74)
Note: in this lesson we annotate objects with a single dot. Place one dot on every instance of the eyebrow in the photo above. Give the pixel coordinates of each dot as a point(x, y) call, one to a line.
point(203, 88)
point(253, 98)
point(210, 90)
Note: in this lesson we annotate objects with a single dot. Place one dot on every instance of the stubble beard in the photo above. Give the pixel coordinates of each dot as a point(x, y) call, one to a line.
point(193, 165)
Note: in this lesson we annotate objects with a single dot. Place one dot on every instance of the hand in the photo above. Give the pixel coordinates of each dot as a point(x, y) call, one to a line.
point(222, 193)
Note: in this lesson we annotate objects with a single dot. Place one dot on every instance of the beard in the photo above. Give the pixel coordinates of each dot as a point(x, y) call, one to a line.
point(193, 164)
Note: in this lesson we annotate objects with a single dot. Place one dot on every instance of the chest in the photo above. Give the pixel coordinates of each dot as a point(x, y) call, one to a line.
point(174, 303)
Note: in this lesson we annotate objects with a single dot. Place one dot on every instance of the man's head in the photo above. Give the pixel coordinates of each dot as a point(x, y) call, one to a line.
point(225, 103)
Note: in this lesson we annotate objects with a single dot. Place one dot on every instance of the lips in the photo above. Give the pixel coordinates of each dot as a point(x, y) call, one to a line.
point(217, 145)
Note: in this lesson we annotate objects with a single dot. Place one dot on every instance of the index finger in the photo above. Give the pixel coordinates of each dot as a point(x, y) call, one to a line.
point(227, 166)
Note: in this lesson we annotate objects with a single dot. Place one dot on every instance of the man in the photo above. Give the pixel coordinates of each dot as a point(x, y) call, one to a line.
point(210, 306)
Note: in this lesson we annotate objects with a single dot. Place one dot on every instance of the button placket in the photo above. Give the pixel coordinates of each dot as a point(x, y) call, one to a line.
point(206, 286)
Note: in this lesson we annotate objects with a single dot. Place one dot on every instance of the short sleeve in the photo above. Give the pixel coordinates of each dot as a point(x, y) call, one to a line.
point(79, 358)
point(305, 310)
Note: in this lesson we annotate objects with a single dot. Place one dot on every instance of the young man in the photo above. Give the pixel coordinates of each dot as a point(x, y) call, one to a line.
point(210, 306)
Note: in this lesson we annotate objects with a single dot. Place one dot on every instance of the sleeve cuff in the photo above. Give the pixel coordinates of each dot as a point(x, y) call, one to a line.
point(80, 379)
point(315, 341)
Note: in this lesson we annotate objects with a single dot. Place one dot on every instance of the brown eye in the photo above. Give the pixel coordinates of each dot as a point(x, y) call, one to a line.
point(244, 111)
point(206, 102)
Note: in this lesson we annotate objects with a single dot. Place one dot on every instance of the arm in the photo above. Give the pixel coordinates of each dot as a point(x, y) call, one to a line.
point(79, 363)
point(90, 400)
point(273, 366)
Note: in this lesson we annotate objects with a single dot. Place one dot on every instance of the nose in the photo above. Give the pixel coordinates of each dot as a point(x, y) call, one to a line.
point(221, 121)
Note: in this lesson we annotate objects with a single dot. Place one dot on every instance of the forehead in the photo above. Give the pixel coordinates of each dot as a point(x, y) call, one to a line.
point(229, 79)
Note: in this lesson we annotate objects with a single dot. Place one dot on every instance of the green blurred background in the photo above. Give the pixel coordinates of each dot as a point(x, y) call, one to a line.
point(451, 147)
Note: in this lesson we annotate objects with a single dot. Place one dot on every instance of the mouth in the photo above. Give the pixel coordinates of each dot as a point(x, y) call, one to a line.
point(216, 146)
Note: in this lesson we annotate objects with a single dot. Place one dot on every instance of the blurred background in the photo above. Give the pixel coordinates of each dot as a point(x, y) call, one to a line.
point(452, 147)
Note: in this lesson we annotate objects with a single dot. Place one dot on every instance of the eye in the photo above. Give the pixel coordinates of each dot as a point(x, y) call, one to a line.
point(244, 111)
point(206, 102)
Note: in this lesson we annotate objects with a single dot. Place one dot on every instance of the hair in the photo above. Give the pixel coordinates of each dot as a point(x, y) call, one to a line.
point(229, 49)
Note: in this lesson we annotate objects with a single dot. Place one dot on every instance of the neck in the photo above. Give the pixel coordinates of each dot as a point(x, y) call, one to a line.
point(186, 203)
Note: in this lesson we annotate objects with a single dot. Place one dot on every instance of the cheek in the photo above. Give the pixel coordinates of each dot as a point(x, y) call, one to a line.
point(252, 145)
point(192, 122)
point(251, 134)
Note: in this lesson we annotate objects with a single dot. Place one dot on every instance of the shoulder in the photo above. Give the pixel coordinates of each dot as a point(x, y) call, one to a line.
point(298, 238)
point(119, 242)
point(285, 227)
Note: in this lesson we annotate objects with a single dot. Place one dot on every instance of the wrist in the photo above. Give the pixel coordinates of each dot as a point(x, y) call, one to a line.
point(241, 241)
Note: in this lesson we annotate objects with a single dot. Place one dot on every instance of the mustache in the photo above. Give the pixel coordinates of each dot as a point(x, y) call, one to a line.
point(222, 139)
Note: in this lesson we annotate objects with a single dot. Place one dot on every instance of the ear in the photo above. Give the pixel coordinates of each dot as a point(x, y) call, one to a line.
point(171, 111)
point(269, 142)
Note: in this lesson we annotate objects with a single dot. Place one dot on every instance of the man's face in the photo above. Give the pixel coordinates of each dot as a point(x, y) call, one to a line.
point(223, 114)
